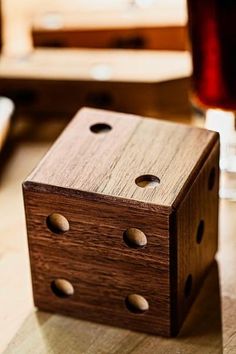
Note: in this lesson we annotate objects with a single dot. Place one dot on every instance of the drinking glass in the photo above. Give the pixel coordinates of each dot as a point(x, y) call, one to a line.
point(212, 29)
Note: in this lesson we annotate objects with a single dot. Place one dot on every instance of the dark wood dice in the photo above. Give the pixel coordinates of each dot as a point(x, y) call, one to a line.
point(122, 219)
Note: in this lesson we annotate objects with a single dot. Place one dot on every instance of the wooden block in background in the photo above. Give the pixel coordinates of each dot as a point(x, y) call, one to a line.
point(105, 176)
point(62, 81)
point(158, 26)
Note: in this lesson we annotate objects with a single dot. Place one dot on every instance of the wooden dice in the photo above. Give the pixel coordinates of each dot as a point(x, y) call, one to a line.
point(159, 26)
point(122, 218)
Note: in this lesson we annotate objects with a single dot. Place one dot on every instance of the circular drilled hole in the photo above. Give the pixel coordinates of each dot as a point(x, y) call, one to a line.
point(188, 286)
point(135, 238)
point(212, 178)
point(57, 223)
point(62, 288)
point(100, 128)
point(200, 231)
point(147, 181)
point(136, 303)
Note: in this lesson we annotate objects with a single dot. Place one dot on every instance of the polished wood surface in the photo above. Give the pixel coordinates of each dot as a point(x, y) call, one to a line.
point(197, 232)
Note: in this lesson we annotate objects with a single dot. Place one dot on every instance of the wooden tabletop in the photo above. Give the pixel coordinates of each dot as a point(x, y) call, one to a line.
point(210, 327)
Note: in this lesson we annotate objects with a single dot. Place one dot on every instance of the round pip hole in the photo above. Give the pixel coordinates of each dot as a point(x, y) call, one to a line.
point(57, 223)
point(100, 128)
point(200, 231)
point(135, 238)
point(62, 288)
point(136, 303)
point(188, 286)
point(147, 181)
point(212, 178)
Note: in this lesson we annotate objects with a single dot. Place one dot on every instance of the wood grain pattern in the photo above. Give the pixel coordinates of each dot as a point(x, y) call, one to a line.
point(121, 80)
point(89, 256)
point(89, 178)
point(133, 27)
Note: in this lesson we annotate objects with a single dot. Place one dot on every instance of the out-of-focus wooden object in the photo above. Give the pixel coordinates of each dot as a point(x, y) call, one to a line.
point(136, 25)
point(145, 84)
point(109, 30)
point(64, 80)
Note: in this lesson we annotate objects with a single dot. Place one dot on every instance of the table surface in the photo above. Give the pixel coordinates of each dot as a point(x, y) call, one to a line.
point(209, 328)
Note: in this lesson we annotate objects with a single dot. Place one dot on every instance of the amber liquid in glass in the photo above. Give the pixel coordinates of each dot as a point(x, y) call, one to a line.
point(212, 26)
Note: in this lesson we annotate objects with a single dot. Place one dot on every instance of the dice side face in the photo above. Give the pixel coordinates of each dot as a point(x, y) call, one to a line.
point(196, 243)
point(93, 256)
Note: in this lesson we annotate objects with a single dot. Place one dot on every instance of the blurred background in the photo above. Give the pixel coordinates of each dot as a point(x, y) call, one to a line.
point(57, 56)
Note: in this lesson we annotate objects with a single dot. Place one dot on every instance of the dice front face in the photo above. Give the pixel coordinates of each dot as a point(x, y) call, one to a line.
point(100, 259)
point(122, 220)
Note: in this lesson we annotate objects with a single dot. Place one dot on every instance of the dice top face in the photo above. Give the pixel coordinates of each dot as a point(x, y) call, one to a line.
point(126, 158)
point(122, 220)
